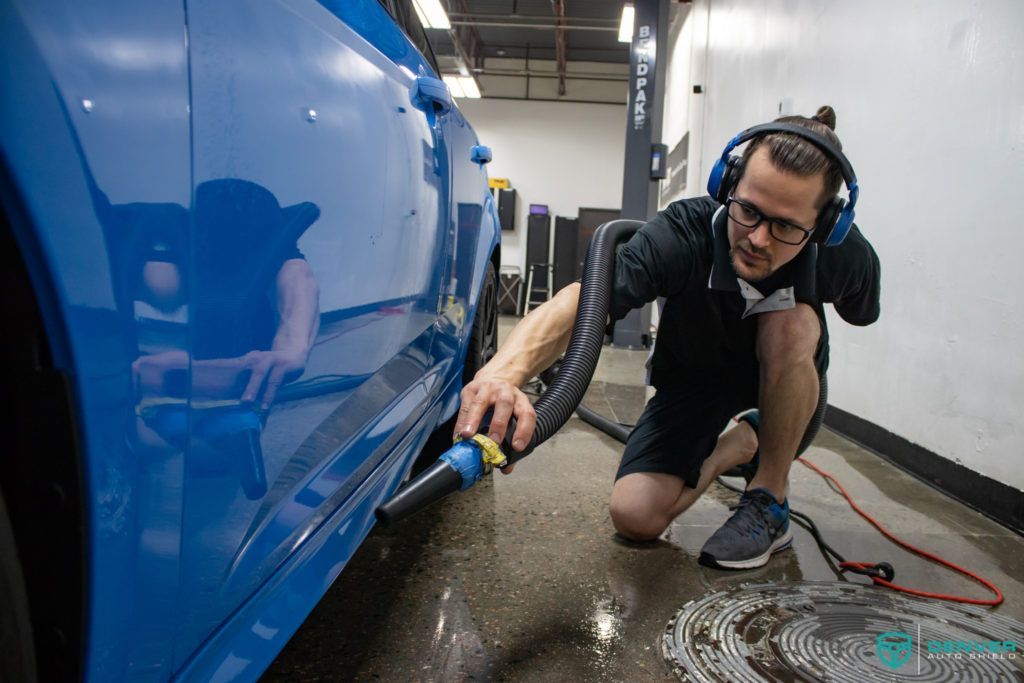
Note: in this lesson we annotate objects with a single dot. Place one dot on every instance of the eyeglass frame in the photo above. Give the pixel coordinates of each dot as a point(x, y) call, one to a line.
point(764, 217)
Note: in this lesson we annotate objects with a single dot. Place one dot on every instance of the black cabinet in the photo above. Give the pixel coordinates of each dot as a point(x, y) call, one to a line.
point(507, 200)
point(566, 256)
point(538, 259)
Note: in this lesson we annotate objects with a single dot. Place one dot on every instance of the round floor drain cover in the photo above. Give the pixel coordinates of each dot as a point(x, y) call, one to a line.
point(840, 632)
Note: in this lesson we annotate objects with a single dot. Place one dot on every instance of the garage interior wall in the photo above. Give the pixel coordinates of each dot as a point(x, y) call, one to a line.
point(930, 105)
point(562, 154)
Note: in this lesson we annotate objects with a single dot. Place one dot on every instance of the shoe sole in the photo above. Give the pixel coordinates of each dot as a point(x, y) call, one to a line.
point(781, 543)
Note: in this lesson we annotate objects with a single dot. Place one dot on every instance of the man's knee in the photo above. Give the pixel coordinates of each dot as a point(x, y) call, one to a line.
point(636, 519)
point(740, 443)
point(788, 337)
point(642, 504)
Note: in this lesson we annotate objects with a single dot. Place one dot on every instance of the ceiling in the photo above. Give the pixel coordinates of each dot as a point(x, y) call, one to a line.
point(537, 49)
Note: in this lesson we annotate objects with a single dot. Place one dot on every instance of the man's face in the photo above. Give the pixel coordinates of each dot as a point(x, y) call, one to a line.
point(754, 252)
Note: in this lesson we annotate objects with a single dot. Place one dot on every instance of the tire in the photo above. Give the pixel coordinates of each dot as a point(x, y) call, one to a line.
point(483, 341)
point(17, 657)
point(483, 344)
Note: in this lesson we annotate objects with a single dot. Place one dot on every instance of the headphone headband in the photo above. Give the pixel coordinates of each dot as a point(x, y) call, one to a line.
point(834, 219)
point(819, 141)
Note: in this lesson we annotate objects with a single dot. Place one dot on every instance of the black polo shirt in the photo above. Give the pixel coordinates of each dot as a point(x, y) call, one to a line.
point(705, 327)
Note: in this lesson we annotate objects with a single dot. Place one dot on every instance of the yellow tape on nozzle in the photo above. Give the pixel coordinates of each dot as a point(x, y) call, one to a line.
point(492, 454)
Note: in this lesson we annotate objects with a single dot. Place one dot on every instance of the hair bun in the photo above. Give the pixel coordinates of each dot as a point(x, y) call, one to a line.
point(826, 115)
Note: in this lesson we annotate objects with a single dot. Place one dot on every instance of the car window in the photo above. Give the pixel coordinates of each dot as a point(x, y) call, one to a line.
point(392, 26)
point(407, 18)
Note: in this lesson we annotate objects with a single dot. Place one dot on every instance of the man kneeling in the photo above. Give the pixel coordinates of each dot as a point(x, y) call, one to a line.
point(742, 329)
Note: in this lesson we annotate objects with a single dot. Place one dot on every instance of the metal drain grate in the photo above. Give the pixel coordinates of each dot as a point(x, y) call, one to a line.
point(830, 632)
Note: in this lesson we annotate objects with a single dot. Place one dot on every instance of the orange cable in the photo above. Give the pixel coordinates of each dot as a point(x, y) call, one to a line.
point(906, 546)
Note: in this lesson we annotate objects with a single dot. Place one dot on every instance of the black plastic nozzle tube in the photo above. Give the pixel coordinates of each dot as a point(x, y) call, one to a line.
point(433, 484)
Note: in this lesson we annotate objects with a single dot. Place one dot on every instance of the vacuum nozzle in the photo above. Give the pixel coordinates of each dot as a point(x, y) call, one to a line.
point(436, 482)
point(459, 467)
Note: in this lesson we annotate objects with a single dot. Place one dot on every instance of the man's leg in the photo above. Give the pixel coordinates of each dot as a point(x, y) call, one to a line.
point(788, 396)
point(786, 345)
point(643, 504)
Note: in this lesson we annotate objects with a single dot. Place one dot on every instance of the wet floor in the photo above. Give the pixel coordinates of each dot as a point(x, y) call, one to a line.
point(521, 578)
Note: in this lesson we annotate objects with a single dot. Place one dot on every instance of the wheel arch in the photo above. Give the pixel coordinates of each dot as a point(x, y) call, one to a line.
point(41, 478)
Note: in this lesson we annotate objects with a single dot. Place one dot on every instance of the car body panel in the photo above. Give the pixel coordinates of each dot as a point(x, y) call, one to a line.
point(147, 144)
point(320, 122)
point(248, 642)
point(99, 117)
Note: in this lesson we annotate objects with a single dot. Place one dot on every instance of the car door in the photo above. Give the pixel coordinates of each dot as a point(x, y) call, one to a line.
point(471, 234)
point(97, 146)
point(319, 219)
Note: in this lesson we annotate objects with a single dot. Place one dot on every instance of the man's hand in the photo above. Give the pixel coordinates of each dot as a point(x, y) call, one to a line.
point(262, 372)
point(150, 373)
point(507, 401)
point(532, 345)
point(271, 369)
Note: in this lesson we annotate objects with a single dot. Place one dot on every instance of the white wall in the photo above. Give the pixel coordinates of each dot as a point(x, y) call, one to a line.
point(930, 104)
point(684, 109)
point(562, 154)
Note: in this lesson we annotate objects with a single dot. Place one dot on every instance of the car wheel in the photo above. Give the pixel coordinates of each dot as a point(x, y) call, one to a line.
point(17, 662)
point(483, 342)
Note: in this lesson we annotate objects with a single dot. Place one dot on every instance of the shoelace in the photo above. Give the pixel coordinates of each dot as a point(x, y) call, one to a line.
point(753, 522)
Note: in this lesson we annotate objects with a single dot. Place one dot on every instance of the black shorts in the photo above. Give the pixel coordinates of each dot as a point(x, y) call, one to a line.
point(680, 426)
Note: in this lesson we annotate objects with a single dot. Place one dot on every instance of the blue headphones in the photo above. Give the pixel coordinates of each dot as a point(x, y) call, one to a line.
point(835, 218)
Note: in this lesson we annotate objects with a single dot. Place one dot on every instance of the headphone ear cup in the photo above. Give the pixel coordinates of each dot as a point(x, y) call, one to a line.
point(843, 225)
point(730, 177)
point(827, 219)
point(715, 179)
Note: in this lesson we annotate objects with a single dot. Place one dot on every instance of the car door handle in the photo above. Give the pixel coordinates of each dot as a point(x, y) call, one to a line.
point(480, 154)
point(431, 95)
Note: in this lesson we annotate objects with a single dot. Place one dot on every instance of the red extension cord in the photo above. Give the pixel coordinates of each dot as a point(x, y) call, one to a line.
point(906, 546)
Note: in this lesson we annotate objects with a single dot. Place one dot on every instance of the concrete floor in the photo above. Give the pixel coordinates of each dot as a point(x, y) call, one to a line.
point(520, 578)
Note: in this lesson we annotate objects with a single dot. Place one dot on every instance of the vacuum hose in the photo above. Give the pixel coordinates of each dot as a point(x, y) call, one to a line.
point(467, 462)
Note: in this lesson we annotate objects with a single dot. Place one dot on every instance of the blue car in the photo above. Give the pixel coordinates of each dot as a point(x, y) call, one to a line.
point(249, 260)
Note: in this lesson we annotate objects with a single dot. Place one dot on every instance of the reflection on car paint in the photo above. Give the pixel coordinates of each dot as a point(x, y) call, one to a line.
point(228, 186)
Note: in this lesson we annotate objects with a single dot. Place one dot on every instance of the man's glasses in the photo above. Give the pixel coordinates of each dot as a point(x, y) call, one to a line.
point(749, 216)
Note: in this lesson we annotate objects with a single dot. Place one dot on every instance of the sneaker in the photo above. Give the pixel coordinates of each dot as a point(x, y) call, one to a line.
point(758, 528)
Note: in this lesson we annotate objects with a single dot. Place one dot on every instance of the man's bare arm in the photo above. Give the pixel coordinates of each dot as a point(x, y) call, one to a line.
point(297, 298)
point(298, 306)
point(535, 342)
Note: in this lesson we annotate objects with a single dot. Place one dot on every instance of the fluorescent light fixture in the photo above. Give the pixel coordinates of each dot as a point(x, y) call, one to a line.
point(469, 87)
point(462, 86)
point(432, 14)
point(626, 27)
point(454, 86)
point(420, 14)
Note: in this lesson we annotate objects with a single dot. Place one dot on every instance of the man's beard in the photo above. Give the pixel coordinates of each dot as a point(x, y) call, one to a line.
point(763, 269)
